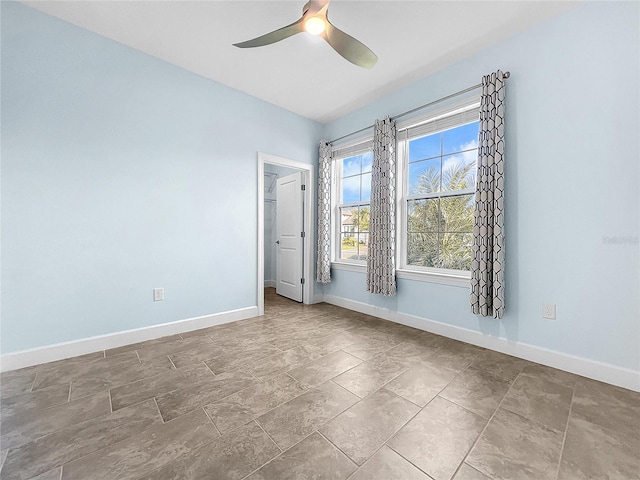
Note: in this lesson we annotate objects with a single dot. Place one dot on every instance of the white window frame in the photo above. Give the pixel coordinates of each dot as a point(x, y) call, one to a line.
point(339, 153)
point(435, 121)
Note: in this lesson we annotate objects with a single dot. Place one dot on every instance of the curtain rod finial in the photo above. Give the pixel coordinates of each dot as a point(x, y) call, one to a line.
point(506, 74)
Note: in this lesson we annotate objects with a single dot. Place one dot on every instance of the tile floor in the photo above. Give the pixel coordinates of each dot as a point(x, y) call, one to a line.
point(312, 392)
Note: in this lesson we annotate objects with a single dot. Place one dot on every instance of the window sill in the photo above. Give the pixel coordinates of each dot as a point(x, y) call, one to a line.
point(454, 279)
point(350, 267)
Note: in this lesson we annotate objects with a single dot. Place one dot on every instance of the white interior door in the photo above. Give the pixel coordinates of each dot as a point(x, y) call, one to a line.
point(289, 222)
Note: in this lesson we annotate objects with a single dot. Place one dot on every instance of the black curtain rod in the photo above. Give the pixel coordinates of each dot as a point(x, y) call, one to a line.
point(395, 117)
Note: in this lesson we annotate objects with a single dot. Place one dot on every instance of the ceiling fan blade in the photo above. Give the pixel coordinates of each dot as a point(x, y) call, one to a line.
point(350, 48)
point(273, 37)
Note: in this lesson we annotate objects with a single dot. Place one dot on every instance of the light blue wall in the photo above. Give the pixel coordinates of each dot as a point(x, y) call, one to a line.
point(121, 173)
point(572, 184)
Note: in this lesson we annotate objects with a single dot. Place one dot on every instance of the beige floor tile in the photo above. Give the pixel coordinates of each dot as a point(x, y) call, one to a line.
point(594, 452)
point(540, 400)
point(611, 407)
point(20, 429)
point(297, 418)
point(503, 367)
point(421, 384)
point(552, 374)
point(387, 465)
point(16, 382)
point(25, 402)
point(137, 455)
point(319, 371)
point(51, 475)
point(478, 392)
point(367, 348)
point(100, 382)
point(455, 356)
point(235, 358)
point(279, 362)
point(230, 457)
point(355, 434)
point(312, 458)
point(412, 354)
point(465, 472)
point(438, 438)
point(91, 365)
point(179, 402)
point(369, 376)
point(66, 445)
point(516, 448)
point(144, 389)
point(248, 404)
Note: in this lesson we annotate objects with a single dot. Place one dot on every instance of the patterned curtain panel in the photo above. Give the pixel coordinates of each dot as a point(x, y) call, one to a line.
point(487, 264)
point(323, 274)
point(381, 266)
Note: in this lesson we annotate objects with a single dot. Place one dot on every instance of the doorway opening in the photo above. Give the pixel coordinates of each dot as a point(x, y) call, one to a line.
point(271, 171)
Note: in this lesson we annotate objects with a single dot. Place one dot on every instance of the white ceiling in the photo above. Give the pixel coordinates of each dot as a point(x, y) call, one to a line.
point(303, 74)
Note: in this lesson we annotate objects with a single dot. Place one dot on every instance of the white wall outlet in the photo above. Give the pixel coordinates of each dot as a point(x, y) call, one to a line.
point(158, 294)
point(549, 311)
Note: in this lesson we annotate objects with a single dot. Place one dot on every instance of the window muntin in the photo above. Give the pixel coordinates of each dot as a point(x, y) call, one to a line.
point(353, 189)
point(439, 198)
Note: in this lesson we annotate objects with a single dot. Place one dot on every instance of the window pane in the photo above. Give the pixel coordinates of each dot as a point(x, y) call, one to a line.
point(348, 220)
point(348, 246)
point(422, 249)
point(456, 214)
point(425, 147)
point(366, 162)
point(361, 219)
point(424, 177)
point(365, 195)
point(460, 138)
point(455, 251)
point(363, 245)
point(459, 171)
point(351, 166)
point(422, 215)
point(351, 189)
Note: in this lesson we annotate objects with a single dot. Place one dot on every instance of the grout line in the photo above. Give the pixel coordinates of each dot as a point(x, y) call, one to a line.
point(211, 420)
point(173, 364)
point(566, 430)
point(255, 420)
point(345, 389)
point(110, 402)
point(342, 451)
point(159, 412)
point(70, 387)
point(138, 356)
point(483, 430)
point(410, 462)
point(34, 381)
point(208, 367)
point(61, 472)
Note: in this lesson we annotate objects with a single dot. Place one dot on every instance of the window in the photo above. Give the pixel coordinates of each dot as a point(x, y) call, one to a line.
point(352, 194)
point(438, 162)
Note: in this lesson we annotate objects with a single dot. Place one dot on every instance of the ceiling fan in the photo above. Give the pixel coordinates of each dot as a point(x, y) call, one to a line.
point(314, 20)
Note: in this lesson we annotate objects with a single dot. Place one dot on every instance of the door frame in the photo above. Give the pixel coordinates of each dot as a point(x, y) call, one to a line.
point(309, 224)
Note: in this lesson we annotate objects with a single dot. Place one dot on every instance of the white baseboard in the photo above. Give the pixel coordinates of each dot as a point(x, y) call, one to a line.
point(270, 283)
point(59, 351)
point(604, 372)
